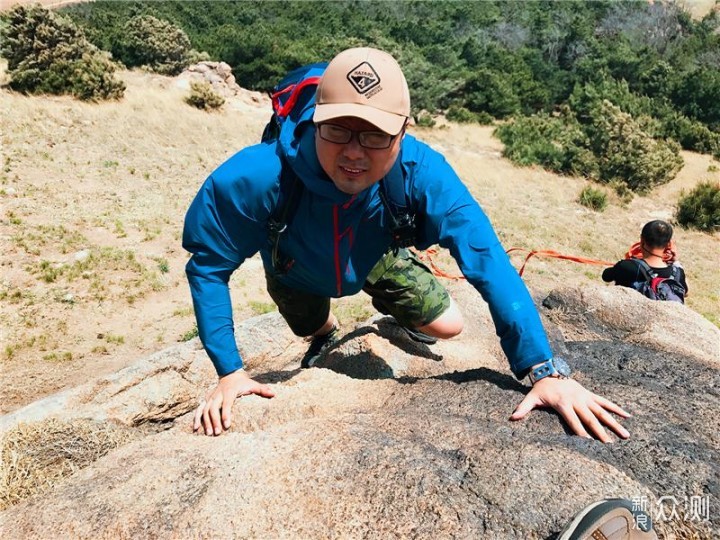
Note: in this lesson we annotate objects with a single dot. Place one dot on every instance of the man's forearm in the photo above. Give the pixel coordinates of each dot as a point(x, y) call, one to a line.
point(213, 313)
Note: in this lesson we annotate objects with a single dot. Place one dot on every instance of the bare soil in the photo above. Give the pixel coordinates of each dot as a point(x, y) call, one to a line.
point(92, 200)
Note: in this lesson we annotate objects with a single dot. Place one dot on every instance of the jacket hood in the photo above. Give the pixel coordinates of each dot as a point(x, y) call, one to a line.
point(297, 144)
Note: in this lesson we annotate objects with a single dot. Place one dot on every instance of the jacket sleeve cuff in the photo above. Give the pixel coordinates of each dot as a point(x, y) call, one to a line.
point(226, 368)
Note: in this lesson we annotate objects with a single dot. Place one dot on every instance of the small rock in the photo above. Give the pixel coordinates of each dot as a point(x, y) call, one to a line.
point(83, 255)
point(10, 191)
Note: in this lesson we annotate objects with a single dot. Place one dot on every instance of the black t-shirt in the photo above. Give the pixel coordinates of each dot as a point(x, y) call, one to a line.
point(627, 272)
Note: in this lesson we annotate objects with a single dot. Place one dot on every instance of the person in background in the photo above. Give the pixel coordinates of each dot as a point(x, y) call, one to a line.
point(657, 251)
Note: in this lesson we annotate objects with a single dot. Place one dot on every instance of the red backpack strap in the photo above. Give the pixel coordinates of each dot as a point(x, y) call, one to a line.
point(283, 110)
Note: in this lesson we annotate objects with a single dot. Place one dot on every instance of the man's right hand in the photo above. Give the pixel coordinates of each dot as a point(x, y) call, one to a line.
point(214, 413)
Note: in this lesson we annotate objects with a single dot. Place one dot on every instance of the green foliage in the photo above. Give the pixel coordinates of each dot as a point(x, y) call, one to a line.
point(47, 53)
point(627, 153)
point(425, 120)
point(592, 198)
point(499, 58)
point(462, 115)
point(190, 334)
point(203, 96)
point(556, 143)
point(491, 92)
point(693, 135)
point(195, 57)
point(700, 209)
point(432, 74)
point(697, 94)
point(533, 140)
point(154, 44)
point(610, 147)
point(163, 265)
point(622, 190)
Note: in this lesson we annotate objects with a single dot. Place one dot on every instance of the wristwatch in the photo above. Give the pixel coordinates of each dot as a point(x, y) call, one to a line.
point(554, 367)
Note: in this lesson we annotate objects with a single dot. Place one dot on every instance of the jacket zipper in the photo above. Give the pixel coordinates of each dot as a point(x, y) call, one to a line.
point(337, 238)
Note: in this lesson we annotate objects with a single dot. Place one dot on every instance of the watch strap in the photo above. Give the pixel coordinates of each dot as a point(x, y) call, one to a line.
point(546, 369)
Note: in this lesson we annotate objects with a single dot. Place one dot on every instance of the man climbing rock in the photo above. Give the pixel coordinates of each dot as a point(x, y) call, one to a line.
point(334, 168)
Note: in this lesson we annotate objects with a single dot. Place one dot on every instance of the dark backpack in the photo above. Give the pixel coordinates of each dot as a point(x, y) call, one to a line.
point(290, 97)
point(659, 288)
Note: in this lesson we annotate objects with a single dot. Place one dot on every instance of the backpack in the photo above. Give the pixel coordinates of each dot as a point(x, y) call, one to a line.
point(658, 288)
point(289, 98)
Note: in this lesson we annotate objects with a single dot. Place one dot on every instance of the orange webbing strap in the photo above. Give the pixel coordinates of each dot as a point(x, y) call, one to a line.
point(427, 256)
point(669, 254)
point(556, 255)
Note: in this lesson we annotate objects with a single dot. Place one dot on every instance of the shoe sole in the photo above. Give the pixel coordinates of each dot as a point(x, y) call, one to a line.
point(582, 525)
point(420, 337)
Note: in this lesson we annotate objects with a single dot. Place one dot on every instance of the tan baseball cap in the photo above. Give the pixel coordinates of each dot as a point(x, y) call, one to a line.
point(364, 83)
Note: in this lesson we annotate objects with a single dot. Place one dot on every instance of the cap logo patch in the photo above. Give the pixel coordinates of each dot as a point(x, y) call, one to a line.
point(363, 78)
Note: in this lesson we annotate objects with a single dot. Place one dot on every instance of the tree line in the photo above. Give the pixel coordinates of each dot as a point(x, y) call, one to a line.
point(610, 90)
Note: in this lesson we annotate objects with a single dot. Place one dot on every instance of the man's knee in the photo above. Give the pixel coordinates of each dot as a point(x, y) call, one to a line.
point(447, 325)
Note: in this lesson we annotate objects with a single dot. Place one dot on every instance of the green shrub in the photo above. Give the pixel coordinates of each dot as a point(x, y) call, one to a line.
point(194, 57)
point(190, 334)
point(156, 45)
point(700, 209)
point(592, 198)
point(460, 115)
point(621, 189)
point(484, 119)
point(203, 96)
point(692, 135)
point(556, 143)
point(425, 119)
point(609, 146)
point(47, 53)
point(529, 140)
point(627, 153)
point(698, 95)
point(491, 92)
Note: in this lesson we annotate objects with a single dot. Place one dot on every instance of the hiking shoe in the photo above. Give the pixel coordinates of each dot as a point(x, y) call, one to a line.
point(318, 346)
point(609, 519)
point(421, 337)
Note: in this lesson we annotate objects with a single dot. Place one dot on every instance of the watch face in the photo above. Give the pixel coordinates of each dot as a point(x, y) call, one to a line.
point(562, 367)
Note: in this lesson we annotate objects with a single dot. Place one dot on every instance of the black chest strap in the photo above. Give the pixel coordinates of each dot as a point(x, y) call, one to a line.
point(401, 218)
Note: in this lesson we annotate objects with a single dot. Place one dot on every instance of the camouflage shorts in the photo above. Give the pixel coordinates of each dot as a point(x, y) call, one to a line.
point(400, 285)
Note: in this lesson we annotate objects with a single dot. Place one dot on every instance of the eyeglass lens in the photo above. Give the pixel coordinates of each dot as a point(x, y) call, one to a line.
point(368, 139)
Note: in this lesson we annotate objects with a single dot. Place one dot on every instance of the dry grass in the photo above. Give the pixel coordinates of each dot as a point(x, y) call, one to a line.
point(94, 195)
point(699, 8)
point(34, 457)
point(93, 199)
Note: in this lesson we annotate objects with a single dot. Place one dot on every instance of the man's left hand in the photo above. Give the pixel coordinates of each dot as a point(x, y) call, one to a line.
point(581, 409)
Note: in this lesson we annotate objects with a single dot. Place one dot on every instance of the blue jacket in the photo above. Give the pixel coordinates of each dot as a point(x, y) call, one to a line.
point(337, 238)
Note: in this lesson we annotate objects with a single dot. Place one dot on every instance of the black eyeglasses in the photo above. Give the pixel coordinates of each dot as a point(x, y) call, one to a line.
point(374, 140)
